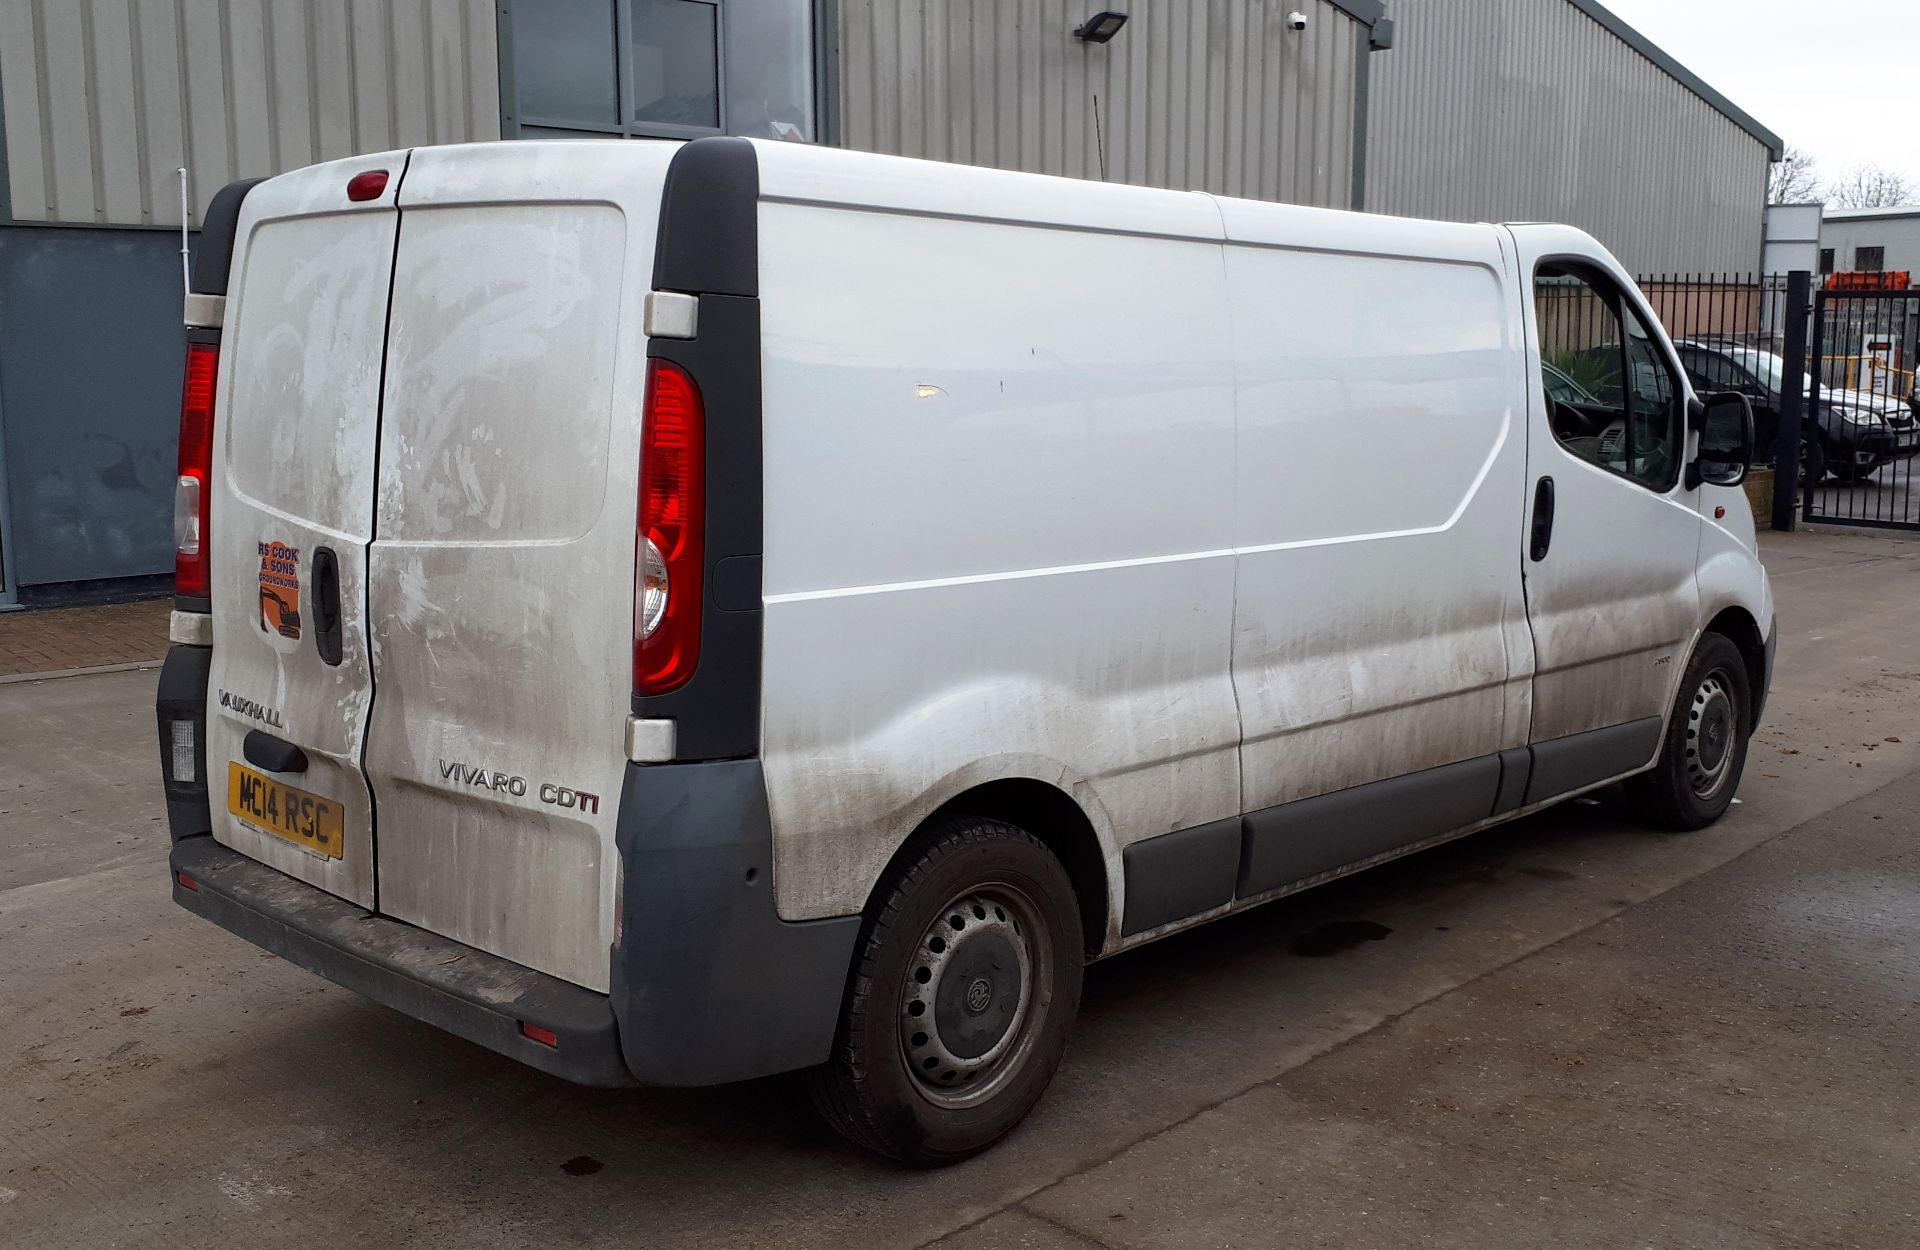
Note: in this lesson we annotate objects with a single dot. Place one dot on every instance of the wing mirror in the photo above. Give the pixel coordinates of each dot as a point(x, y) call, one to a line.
point(1725, 422)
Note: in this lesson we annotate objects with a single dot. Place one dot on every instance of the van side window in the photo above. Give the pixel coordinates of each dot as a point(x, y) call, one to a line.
point(1612, 396)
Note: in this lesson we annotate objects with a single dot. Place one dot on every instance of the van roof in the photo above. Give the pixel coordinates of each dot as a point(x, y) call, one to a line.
point(807, 173)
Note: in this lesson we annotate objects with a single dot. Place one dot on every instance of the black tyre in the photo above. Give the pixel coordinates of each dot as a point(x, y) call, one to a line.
point(1813, 462)
point(1848, 471)
point(964, 987)
point(1706, 745)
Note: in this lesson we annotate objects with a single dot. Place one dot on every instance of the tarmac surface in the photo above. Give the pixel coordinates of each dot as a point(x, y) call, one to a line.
point(1569, 1031)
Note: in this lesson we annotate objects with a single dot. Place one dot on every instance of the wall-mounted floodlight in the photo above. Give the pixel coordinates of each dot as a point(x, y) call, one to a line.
point(1101, 27)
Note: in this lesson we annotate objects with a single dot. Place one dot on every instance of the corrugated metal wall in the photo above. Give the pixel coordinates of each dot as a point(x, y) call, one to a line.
point(1529, 110)
point(1215, 95)
point(104, 99)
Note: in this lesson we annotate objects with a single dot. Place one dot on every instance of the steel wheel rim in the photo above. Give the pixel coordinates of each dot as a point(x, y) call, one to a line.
point(1712, 731)
point(962, 1041)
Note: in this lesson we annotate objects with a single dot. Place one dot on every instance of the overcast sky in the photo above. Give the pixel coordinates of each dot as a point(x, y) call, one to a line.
point(1838, 78)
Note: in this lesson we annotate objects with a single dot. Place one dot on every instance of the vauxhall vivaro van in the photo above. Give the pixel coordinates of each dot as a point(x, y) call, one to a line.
point(678, 613)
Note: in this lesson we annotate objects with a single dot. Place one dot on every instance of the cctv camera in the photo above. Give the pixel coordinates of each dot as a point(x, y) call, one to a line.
point(1296, 20)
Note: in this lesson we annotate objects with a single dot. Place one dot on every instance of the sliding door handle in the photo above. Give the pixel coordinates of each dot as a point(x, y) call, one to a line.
point(1542, 519)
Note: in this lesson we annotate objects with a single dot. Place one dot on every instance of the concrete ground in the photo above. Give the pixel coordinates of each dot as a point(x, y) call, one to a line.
point(1570, 1031)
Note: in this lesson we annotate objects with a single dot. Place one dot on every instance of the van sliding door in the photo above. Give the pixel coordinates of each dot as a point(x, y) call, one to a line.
point(1380, 647)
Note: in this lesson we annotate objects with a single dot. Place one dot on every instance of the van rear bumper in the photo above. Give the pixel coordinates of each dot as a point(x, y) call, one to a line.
point(465, 991)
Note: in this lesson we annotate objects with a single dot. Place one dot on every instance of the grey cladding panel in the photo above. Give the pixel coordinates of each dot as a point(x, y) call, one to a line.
point(1515, 767)
point(1180, 874)
point(1563, 765)
point(1295, 841)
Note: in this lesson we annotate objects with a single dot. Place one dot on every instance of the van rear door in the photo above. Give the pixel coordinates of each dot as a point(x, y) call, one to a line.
point(501, 577)
point(289, 518)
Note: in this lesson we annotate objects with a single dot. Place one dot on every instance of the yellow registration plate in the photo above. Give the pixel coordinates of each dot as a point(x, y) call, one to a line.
point(306, 820)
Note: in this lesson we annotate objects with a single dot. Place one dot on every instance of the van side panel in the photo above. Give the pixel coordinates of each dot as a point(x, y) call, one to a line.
point(999, 508)
point(1380, 628)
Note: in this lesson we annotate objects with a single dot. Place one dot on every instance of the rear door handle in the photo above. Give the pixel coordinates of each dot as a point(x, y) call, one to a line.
point(276, 755)
point(326, 596)
point(1542, 519)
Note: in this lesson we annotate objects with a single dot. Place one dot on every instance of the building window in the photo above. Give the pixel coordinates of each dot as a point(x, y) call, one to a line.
point(661, 68)
point(1826, 260)
point(563, 59)
point(675, 63)
point(1870, 259)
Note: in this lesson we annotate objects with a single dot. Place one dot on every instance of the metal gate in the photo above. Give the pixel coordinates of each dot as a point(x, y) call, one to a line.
point(1861, 422)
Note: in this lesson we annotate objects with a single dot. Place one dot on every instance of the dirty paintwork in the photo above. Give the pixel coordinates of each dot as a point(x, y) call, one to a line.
point(999, 518)
point(1185, 507)
point(1080, 561)
point(502, 575)
point(485, 543)
point(1380, 623)
point(1616, 604)
point(296, 407)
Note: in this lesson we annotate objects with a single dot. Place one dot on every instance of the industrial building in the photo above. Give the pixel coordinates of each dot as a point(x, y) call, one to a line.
point(1871, 240)
point(1463, 109)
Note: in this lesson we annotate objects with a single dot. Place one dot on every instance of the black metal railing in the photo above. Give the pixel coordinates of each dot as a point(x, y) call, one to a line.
point(1862, 405)
point(1745, 333)
point(1829, 365)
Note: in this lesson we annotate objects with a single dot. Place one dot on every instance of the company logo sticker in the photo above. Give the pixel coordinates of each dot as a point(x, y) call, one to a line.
point(280, 591)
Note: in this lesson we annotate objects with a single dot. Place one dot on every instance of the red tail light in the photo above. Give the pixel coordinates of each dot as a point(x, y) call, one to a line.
point(190, 495)
point(670, 551)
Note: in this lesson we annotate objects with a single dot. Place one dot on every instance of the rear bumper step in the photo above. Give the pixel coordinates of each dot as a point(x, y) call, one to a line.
point(465, 991)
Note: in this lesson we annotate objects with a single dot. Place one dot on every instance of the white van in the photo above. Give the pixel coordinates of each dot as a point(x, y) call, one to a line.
point(678, 613)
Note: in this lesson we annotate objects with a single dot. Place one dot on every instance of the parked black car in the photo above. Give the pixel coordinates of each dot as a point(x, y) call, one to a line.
point(1857, 431)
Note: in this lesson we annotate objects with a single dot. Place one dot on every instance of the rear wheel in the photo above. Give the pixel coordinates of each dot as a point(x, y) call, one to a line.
point(965, 986)
point(1706, 744)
